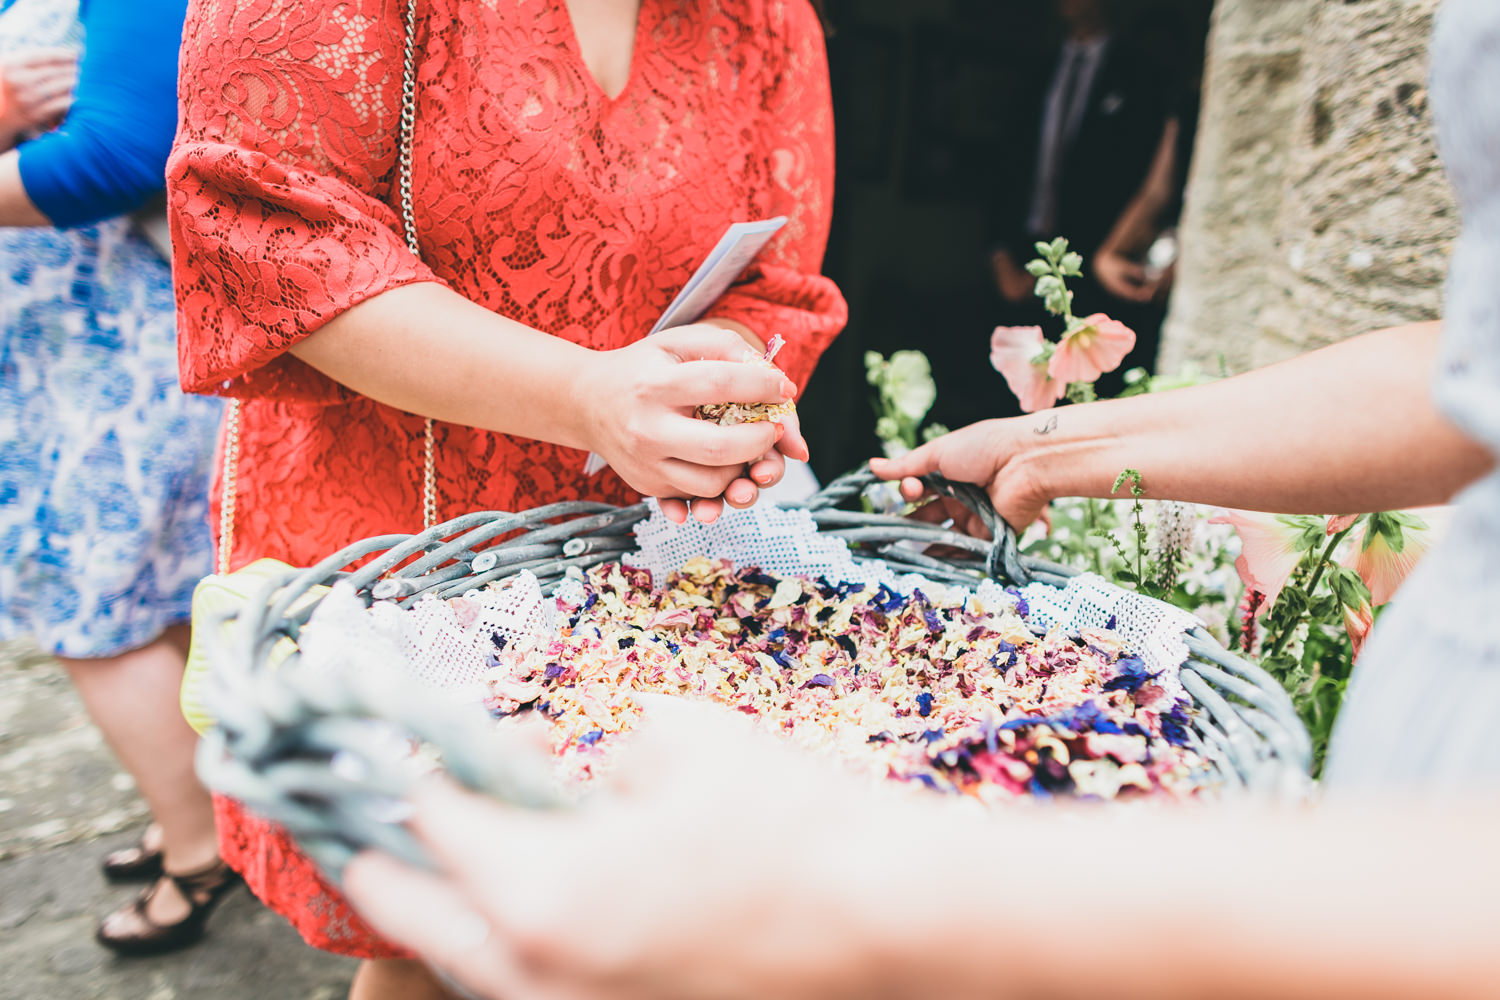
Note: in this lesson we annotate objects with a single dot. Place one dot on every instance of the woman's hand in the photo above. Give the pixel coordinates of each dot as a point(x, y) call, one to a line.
point(991, 454)
point(36, 90)
point(674, 881)
point(638, 402)
point(770, 467)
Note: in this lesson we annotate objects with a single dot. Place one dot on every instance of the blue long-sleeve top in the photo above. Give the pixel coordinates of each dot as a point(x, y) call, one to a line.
point(109, 156)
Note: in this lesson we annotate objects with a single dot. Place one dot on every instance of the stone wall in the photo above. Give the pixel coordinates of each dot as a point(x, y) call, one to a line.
point(1316, 208)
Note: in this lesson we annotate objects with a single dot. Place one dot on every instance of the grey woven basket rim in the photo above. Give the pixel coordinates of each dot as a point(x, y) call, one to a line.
point(281, 731)
point(1261, 737)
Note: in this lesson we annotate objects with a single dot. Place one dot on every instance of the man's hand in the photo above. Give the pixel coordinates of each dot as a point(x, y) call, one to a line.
point(1014, 284)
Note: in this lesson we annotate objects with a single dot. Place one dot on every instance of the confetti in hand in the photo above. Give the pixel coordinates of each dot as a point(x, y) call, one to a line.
point(726, 414)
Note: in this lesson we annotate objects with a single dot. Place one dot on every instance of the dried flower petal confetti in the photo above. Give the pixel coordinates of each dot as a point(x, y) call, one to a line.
point(931, 690)
point(750, 413)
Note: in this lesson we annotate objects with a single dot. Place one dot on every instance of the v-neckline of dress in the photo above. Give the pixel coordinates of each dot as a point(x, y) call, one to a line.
point(575, 48)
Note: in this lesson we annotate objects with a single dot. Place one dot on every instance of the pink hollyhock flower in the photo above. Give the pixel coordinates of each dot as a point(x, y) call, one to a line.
point(1357, 622)
point(1382, 567)
point(1271, 546)
point(1096, 347)
point(1020, 354)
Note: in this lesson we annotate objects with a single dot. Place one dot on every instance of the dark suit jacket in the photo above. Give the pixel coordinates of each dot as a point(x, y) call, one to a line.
point(1106, 163)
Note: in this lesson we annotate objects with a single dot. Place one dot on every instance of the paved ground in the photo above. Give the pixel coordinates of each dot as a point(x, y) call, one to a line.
point(64, 803)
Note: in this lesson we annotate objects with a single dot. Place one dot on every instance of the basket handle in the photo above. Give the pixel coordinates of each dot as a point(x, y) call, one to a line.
point(1004, 559)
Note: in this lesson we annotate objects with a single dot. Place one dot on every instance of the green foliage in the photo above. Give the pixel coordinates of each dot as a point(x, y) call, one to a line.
point(1315, 672)
point(1142, 533)
point(1052, 269)
point(1302, 641)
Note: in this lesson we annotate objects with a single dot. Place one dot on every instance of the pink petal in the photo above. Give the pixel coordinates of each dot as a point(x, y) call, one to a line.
point(1383, 570)
point(1268, 550)
point(1358, 622)
point(1091, 350)
point(677, 616)
point(1011, 344)
point(1015, 351)
point(1340, 522)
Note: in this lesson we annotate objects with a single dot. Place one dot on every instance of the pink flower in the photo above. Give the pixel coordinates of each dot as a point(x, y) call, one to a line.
point(1096, 347)
point(1357, 622)
point(1271, 547)
point(1020, 354)
point(1383, 568)
point(1340, 522)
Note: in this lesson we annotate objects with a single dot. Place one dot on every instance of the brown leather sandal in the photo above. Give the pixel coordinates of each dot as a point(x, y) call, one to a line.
point(133, 864)
point(203, 890)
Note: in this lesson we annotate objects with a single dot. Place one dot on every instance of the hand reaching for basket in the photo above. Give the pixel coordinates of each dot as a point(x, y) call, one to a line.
point(1293, 437)
point(989, 454)
point(640, 403)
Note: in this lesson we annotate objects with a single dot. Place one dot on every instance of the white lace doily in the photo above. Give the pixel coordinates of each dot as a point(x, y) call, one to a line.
point(1153, 630)
point(776, 540)
point(448, 644)
point(445, 644)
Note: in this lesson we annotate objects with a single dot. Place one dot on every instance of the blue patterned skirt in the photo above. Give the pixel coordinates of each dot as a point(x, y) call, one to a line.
point(104, 463)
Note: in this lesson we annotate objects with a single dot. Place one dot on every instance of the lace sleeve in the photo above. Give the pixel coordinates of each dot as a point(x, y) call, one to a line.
point(279, 183)
point(783, 292)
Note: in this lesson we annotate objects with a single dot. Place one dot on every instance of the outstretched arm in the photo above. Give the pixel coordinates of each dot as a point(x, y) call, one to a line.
point(1345, 429)
point(726, 866)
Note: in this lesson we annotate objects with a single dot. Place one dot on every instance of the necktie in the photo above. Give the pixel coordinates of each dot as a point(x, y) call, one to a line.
point(1054, 140)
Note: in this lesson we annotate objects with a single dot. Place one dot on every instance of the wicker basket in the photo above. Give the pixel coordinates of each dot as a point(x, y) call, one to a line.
point(278, 732)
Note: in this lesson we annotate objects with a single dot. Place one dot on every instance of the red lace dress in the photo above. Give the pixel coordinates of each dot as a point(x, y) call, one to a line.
point(536, 195)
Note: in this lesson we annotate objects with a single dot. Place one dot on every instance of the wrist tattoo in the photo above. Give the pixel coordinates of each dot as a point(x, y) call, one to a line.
point(1048, 427)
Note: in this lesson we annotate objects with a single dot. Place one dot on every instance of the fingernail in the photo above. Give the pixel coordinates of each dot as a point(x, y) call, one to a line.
point(788, 390)
point(780, 431)
point(764, 478)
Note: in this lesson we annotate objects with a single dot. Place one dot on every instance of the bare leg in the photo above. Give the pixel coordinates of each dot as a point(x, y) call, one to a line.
point(396, 979)
point(133, 699)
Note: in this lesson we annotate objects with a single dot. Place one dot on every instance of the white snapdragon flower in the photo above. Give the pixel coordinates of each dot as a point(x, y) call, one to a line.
point(909, 384)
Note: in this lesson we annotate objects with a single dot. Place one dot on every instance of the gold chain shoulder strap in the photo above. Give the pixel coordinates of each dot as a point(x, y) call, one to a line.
point(409, 231)
point(409, 227)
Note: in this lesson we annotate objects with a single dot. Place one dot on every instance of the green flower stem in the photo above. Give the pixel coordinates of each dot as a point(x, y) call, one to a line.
point(1136, 510)
point(1090, 520)
point(1312, 583)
